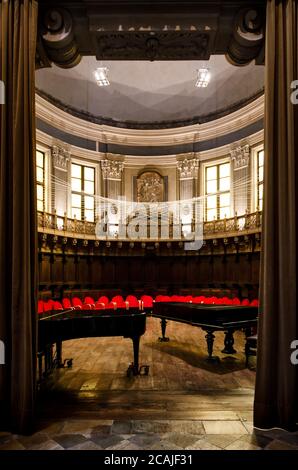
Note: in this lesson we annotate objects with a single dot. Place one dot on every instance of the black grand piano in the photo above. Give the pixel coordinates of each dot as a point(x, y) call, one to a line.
point(210, 318)
point(54, 327)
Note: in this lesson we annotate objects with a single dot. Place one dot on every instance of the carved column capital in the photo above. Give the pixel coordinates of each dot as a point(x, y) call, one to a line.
point(240, 156)
point(61, 155)
point(112, 169)
point(188, 168)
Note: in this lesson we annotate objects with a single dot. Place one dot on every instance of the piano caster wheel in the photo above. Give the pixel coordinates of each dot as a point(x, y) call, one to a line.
point(164, 339)
point(132, 371)
point(69, 363)
point(144, 370)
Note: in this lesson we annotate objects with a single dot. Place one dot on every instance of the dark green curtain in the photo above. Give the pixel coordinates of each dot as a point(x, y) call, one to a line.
point(276, 395)
point(18, 240)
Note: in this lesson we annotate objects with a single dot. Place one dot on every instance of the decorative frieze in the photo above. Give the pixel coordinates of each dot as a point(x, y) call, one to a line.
point(60, 156)
point(240, 156)
point(188, 168)
point(112, 169)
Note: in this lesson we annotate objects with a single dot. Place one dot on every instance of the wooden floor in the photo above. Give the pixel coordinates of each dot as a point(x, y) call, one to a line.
point(180, 384)
point(184, 403)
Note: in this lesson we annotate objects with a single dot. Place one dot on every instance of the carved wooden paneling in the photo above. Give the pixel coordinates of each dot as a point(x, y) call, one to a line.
point(149, 273)
point(45, 269)
point(57, 268)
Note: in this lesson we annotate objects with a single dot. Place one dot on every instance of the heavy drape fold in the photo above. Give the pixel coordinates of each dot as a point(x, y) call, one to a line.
point(18, 240)
point(276, 395)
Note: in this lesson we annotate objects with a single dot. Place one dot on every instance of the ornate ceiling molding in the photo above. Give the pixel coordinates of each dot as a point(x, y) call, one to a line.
point(167, 45)
point(138, 162)
point(137, 30)
point(249, 114)
point(56, 41)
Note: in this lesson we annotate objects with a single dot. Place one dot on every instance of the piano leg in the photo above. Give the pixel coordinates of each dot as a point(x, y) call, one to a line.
point(229, 341)
point(133, 369)
point(163, 338)
point(210, 340)
point(59, 354)
point(60, 363)
point(48, 360)
point(40, 372)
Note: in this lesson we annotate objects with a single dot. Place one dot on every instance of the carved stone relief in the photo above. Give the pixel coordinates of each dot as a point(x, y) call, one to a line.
point(150, 187)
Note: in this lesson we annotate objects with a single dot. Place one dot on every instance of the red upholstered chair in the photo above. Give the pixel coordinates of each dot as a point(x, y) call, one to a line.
point(245, 302)
point(104, 300)
point(48, 306)
point(236, 301)
point(66, 303)
point(187, 298)
point(40, 306)
point(226, 301)
point(58, 306)
point(147, 301)
point(77, 303)
point(119, 301)
point(254, 303)
point(200, 299)
point(132, 301)
point(176, 298)
point(90, 301)
point(87, 307)
point(100, 305)
point(162, 298)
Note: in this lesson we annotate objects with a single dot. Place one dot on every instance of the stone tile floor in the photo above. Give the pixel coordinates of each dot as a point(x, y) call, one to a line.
point(151, 435)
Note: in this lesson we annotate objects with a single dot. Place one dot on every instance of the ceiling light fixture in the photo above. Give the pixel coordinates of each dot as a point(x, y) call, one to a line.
point(203, 77)
point(101, 76)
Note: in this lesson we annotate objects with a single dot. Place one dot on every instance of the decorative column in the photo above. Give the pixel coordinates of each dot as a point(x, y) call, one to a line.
point(60, 153)
point(112, 171)
point(241, 185)
point(188, 175)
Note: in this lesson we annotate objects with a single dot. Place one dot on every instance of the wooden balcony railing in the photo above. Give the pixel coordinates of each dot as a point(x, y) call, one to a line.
point(64, 226)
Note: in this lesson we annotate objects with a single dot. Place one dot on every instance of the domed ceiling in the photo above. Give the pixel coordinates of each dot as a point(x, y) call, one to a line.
point(145, 92)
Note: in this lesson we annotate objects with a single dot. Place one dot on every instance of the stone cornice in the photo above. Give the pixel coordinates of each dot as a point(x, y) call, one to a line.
point(168, 161)
point(54, 116)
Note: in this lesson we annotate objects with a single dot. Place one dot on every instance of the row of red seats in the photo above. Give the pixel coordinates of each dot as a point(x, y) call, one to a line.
point(146, 301)
point(201, 299)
